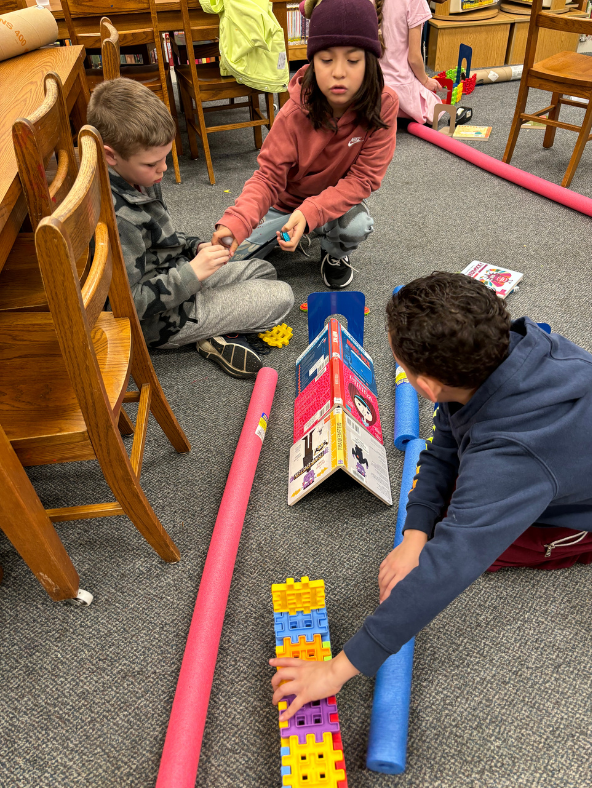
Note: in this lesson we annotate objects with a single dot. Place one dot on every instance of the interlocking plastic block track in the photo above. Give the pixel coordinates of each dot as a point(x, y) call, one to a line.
point(307, 624)
point(318, 718)
point(316, 651)
point(278, 336)
point(311, 765)
point(291, 597)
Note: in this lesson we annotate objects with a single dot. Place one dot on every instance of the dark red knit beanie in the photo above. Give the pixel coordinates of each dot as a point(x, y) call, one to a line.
point(342, 23)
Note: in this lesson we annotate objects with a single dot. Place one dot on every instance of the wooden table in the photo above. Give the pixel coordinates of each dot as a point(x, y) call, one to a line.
point(21, 92)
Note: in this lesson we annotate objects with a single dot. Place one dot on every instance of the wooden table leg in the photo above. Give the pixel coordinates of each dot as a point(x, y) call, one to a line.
point(25, 523)
point(82, 93)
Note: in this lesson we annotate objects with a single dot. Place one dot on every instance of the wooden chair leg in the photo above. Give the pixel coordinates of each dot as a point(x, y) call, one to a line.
point(549, 137)
point(125, 425)
point(173, 103)
point(176, 162)
point(204, 138)
point(516, 122)
point(283, 97)
point(187, 103)
point(253, 106)
point(270, 109)
point(25, 523)
point(124, 484)
point(580, 145)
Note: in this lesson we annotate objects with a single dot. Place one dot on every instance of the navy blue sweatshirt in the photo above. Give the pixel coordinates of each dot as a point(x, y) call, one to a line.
point(520, 454)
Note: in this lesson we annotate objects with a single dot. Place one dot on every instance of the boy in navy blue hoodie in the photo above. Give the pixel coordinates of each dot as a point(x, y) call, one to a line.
point(506, 477)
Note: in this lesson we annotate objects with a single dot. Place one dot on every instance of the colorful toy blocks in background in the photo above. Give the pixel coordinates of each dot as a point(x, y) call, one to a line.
point(278, 336)
point(311, 748)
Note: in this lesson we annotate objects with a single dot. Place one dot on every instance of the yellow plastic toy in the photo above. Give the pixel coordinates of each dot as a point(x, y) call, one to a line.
point(292, 598)
point(278, 336)
point(312, 765)
point(313, 651)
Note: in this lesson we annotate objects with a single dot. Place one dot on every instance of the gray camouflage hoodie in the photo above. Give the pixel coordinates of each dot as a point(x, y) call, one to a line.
point(157, 259)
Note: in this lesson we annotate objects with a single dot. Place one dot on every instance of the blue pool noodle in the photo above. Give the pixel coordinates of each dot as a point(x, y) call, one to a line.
point(406, 410)
point(406, 414)
point(387, 739)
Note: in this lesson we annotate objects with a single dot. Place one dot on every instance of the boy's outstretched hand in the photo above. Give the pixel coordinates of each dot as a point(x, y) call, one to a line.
point(295, 227)
point(309, 680)
point(222, 235)
point(209, 259)
point(400, 561)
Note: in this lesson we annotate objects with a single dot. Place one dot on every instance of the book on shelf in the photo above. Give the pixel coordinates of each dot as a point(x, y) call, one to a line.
point(338, 442)
point(502, 280)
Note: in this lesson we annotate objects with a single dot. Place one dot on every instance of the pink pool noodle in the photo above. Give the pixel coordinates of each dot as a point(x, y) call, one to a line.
point(180, 756)
point(521, 178)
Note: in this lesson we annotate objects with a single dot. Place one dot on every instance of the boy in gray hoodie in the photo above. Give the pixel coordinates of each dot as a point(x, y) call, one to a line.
point(183, 289)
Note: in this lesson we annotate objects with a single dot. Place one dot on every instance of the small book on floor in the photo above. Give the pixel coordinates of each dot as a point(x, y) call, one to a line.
point(472, 132)
point(502, 280)
point(338, 442)
point(533, 124)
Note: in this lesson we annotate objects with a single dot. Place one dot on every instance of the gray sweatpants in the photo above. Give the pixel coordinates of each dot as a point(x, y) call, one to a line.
point(242, 297)
point(338, 237)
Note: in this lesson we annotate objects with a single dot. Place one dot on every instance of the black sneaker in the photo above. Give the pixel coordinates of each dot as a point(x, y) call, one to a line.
point(233, 353)
point(336, 273)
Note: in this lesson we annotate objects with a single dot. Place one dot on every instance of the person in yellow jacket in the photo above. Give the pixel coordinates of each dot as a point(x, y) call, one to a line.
point(252, 48)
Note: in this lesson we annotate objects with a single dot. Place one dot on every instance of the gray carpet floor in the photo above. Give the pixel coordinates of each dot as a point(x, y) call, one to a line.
point(501, 685)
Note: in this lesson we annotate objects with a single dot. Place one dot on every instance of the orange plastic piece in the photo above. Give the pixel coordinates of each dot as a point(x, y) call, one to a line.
point(312, 765)
point(316, 651)
point(292, 597)
point(278, 336)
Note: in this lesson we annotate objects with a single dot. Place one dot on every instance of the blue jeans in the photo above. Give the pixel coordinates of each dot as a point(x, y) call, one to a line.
point(338, 237)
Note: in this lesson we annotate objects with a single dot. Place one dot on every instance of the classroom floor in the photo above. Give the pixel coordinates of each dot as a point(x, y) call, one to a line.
point(501, 687)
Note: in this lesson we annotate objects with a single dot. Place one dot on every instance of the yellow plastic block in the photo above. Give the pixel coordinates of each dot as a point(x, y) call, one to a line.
point(278, 336)
point(291, 597)
point(316, 651)
point(312, 765)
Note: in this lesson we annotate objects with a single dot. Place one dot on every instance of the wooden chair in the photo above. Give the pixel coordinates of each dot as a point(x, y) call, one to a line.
point(65, 374)
point(139, 26)
point(566, 72)
point(43, 140)
point(201, 84)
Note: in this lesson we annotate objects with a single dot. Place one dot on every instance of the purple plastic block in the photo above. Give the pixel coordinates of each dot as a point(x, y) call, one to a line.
point(311, 718)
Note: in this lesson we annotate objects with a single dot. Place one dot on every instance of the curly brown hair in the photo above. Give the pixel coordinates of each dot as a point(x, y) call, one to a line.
point(449, 327)
point(367, 102)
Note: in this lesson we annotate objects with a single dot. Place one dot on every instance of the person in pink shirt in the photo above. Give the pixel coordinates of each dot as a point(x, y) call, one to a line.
point(327, 150)
point(400, 23)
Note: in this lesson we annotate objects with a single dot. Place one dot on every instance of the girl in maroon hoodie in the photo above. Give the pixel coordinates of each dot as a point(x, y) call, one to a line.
point(328, 149)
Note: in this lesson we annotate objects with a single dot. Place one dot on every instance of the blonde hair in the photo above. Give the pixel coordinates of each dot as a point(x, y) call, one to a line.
point(378, 5)
point(129, 117)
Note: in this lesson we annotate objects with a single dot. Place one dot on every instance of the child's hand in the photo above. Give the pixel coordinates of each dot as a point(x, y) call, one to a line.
point(223, 236)
point(295, 227)
point(400, 561)
point(309, 680)
point(433, 85)
point(209, 259)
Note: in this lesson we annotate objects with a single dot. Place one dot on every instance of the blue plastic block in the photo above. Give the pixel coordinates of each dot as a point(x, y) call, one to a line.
point(286, 769)
point(301, 624)
point(285, 751)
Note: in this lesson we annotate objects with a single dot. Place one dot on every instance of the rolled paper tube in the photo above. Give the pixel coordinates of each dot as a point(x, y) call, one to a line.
point(534, 184)
point(25, 30)
point(406, 410)
point(389, 723)
point(180, 756)
point(487, 76)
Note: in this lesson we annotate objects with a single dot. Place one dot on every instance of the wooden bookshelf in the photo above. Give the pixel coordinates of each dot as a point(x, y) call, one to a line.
point(297, 52)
